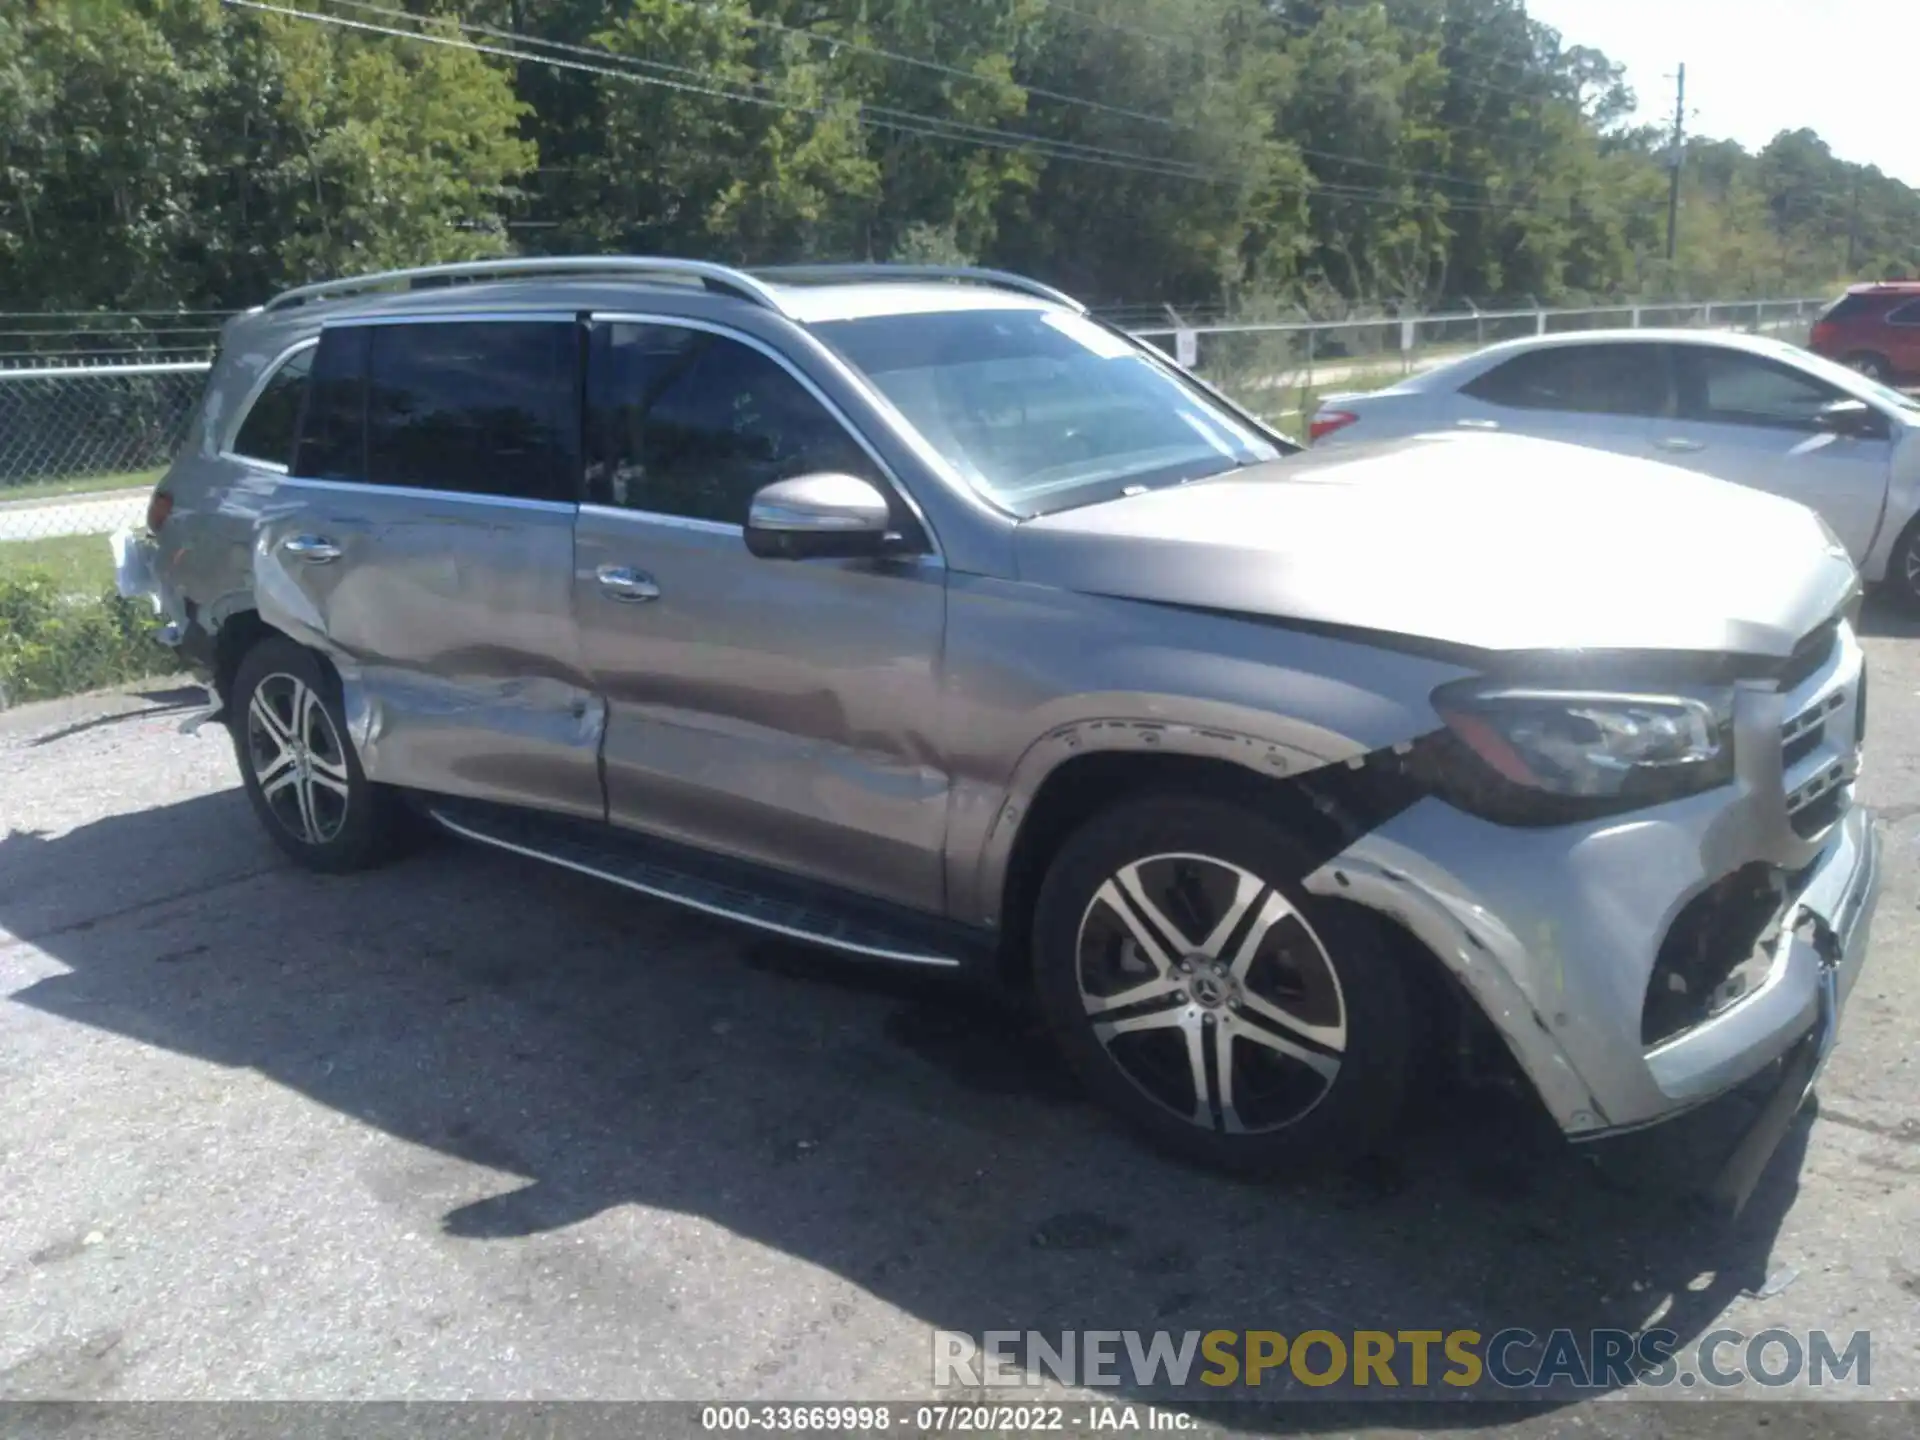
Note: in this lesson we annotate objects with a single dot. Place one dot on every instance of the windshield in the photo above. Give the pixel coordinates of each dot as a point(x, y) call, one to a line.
point(1043, 410)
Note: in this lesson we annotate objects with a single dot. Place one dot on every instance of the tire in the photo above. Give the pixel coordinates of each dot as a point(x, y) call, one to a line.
point(301, 774)
point(1334, 1083)
point(1901, 583)
point(1874, 367)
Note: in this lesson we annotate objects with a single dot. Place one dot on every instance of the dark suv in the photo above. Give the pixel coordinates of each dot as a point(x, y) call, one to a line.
point(1875, 329)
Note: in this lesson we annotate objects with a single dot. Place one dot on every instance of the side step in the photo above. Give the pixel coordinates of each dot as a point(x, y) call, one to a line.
point(732, 890)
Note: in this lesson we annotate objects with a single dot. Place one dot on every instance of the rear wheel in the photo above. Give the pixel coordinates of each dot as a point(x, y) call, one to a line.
point(1874, 367)
point(1204, 996)
point(300, 773)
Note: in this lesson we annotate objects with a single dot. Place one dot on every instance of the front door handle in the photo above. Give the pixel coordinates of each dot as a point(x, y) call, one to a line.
point(314, 549)
point(619, 583)
point(1479, 424)
point(1679, 445)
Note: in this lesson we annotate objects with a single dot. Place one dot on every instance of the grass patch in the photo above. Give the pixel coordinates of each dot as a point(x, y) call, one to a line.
point(80, 485)
point(76, 564)
point(63, 629)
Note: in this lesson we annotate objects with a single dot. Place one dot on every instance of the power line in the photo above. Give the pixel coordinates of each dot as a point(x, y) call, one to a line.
point(883, 118)
point(879, 118)
point(835, 42)
point(603, 54)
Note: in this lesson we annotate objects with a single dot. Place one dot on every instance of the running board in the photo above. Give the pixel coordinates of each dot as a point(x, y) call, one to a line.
point(744, 894)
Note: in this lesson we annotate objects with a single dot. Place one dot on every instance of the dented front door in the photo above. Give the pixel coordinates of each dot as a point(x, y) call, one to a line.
point(781, 712)
point(425, 543)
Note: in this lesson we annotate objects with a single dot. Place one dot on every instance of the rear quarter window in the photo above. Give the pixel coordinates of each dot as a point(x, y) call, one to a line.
point(1849, 307)
point(268, 429)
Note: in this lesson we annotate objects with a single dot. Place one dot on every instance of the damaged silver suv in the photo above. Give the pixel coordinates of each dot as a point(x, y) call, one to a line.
point(916, 614)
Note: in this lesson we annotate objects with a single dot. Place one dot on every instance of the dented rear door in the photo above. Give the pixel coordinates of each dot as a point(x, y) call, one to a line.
point(424, 541)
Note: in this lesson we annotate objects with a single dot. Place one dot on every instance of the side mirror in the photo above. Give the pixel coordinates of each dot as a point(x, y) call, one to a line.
point(828, 516)
point(1855, 419)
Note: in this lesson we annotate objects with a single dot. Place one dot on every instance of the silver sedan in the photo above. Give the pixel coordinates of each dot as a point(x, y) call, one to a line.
point(1751, 410)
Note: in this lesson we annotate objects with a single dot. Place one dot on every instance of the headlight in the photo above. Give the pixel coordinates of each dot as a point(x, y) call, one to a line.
point(1561, 755)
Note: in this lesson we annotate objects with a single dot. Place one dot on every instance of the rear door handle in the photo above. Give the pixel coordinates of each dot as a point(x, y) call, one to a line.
point(619, 583)
point(1479, 424)
point(314, 549)
point(1679, 445)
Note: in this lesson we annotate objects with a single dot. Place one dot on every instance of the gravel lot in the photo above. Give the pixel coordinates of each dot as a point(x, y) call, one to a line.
point(474, 1127)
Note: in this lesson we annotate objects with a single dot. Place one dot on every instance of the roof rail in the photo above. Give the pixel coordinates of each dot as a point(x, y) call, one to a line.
point(958, 274)
point(719, 278)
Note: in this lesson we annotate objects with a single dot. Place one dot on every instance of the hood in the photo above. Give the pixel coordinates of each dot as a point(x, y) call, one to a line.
point(1490, 542)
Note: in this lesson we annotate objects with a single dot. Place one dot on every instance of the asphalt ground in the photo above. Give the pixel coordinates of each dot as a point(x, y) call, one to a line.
point(475, 1128)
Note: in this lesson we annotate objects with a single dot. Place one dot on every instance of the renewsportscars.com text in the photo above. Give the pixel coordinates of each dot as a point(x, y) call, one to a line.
point(1386, 1360)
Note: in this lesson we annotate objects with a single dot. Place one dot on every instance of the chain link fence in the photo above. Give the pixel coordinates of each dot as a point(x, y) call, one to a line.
point(81, 446)
point(91, 414)
point(1279, 368)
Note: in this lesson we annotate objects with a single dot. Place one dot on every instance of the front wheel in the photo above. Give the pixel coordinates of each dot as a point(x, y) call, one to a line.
point(1902, 582)
point(303, 778)
point(1201, 993)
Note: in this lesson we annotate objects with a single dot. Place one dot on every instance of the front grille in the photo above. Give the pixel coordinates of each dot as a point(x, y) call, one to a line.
point(1819, 743)
point(1721, 944)
point(1814, 818)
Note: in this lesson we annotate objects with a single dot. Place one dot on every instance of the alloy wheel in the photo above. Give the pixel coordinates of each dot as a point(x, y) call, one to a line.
point(1211, 993)
point(298, 759)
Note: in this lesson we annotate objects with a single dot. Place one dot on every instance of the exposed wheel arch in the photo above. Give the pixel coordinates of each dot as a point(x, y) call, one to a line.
point(238, 633)
point(1326, 809)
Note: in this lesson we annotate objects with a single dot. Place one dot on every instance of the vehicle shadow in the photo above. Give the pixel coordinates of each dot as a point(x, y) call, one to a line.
point(884, 1125)
point(160, 700)
point(1884, 617)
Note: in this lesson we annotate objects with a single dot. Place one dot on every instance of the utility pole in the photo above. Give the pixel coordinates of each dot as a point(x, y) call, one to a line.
point(1853, 226)
point(1679, 151)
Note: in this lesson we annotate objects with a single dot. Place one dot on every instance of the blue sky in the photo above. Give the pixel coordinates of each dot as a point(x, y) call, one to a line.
point(1846, 68)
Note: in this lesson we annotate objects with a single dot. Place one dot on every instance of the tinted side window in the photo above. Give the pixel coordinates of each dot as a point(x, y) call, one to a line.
point(692, 424)
point(1729, 388)
point(485, 408)
point(332, 444)
point(1848, 307)
point(1583, 379)
point(1907, 314)
point(268, 431)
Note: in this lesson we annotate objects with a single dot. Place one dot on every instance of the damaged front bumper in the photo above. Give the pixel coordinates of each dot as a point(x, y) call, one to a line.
point(1640, 965)
point(1557, 941)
